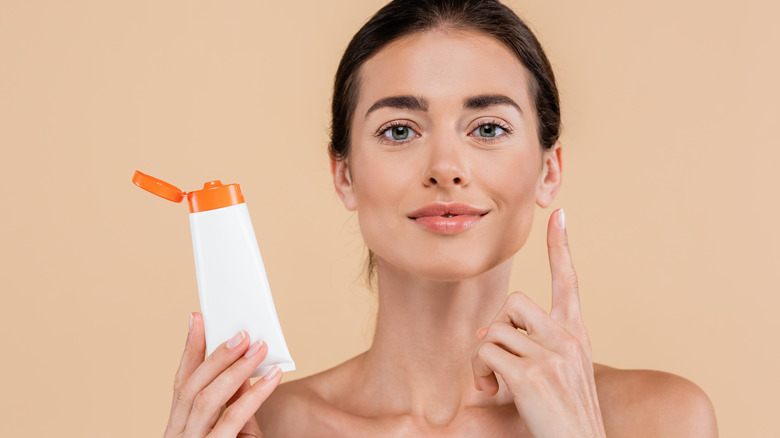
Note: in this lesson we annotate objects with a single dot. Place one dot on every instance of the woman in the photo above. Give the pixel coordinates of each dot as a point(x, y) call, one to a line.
point(444, 138)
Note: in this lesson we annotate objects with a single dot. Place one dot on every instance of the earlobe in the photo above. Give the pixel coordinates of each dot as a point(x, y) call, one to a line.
point(550, 178)
point(342, 181)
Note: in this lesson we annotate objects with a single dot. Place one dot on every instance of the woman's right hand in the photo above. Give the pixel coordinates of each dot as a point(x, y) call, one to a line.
point(202, 388)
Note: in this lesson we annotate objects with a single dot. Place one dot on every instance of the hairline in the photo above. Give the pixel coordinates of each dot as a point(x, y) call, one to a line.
point(354, 82)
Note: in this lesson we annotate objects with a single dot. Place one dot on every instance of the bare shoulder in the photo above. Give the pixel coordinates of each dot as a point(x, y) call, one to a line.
point(298, 407)
point(644, 403)
point(282, 413)
point(289, 409)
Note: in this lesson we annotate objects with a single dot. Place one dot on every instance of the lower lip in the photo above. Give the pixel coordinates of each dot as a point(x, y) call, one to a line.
point(448, 225)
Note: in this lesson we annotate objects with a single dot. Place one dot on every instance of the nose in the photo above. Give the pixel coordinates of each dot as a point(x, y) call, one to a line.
point(446, 165)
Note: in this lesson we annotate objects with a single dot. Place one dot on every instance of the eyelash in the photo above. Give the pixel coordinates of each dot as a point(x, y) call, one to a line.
point(507, 131)
point(380, 134)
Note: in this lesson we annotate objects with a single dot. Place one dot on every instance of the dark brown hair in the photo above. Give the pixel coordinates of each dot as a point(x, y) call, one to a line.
point(400, 18)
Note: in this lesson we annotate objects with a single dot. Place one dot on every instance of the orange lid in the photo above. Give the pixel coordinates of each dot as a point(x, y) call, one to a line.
point(213, 195)
point(158, 187)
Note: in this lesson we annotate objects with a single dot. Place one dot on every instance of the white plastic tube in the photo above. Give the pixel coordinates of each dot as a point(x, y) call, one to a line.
point(232, 284)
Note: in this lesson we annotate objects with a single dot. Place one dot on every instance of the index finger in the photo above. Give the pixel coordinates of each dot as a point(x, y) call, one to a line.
point(565, 290)
point(194, 350)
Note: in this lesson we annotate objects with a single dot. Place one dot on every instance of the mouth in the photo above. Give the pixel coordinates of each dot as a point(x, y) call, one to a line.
point(447, 211)
point(454, 218)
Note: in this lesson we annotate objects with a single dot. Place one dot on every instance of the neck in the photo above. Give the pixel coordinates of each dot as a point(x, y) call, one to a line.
point(420, 358)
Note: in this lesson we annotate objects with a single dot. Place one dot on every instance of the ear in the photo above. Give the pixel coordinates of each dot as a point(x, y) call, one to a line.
point(342, 181)
point(550, 178)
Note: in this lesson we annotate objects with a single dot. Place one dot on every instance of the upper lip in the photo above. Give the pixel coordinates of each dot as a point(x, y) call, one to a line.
point(443, 209)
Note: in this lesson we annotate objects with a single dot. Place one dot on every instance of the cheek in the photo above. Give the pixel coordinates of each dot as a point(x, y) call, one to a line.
point(513, 190)
point(379, 193)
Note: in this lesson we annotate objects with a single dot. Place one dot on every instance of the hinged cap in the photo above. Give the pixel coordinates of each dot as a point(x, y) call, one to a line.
point(212, 196)
point(158, 187)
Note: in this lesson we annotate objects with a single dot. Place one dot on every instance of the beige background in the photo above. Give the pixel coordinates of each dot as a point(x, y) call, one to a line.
point(671, 112)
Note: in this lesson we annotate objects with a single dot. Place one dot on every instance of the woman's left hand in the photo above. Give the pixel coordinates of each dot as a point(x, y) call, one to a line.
point(548, 369)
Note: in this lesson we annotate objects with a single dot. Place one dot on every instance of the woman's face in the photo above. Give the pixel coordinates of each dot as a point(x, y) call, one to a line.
point(445, 164)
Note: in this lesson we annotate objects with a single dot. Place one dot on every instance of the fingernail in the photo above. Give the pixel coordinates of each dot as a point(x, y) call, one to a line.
point(562, 220)
point(235, 340)
point(272, 373)
point(254, 348)
point(481, 333)
point(190, 322)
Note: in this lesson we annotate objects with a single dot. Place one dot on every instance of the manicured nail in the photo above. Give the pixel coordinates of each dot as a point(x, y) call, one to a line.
point(254, 348)
point(190, 322)
point(481, 333)
point(272, 373)
point(562, 220)
point(235, 340)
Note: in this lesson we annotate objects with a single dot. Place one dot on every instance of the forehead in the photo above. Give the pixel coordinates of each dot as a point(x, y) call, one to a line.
point(444, 66)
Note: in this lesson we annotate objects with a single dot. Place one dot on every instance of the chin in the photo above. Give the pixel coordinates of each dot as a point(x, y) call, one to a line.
point(448, 267)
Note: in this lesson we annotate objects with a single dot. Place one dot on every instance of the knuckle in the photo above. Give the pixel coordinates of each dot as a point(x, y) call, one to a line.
point(572, 281)
point(231, 415)
point(474, 357)
point(536, 371)
point(178, 381)
point(202, 402)
point(483, 351)
point(181, 394)
point(567, 337)
point(551, 367)
point(516, 298)
point(226, 379)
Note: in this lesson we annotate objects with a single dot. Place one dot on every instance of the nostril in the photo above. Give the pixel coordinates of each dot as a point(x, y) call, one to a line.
point(456, 180)
point(432, 180)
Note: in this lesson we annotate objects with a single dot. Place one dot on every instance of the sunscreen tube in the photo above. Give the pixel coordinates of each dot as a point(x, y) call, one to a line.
point(232, 283)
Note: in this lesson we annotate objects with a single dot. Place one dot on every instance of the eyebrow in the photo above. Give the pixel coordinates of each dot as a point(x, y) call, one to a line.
point(487, 100)
point(412, 103)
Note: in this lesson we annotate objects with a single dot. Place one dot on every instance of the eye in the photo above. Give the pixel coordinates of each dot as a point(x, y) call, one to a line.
point(399, 132)
point(489, 130)
point(396, 132)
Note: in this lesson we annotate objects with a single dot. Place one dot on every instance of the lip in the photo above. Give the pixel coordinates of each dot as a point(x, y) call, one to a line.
point(448, 218)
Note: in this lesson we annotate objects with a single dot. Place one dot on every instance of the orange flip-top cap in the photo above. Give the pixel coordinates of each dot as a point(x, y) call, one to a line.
point(158, 187)
point(213, 195)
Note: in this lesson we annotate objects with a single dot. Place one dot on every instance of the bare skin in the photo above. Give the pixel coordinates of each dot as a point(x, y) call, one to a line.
point(453, 355)
point(634, 403)
point(418, 378)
